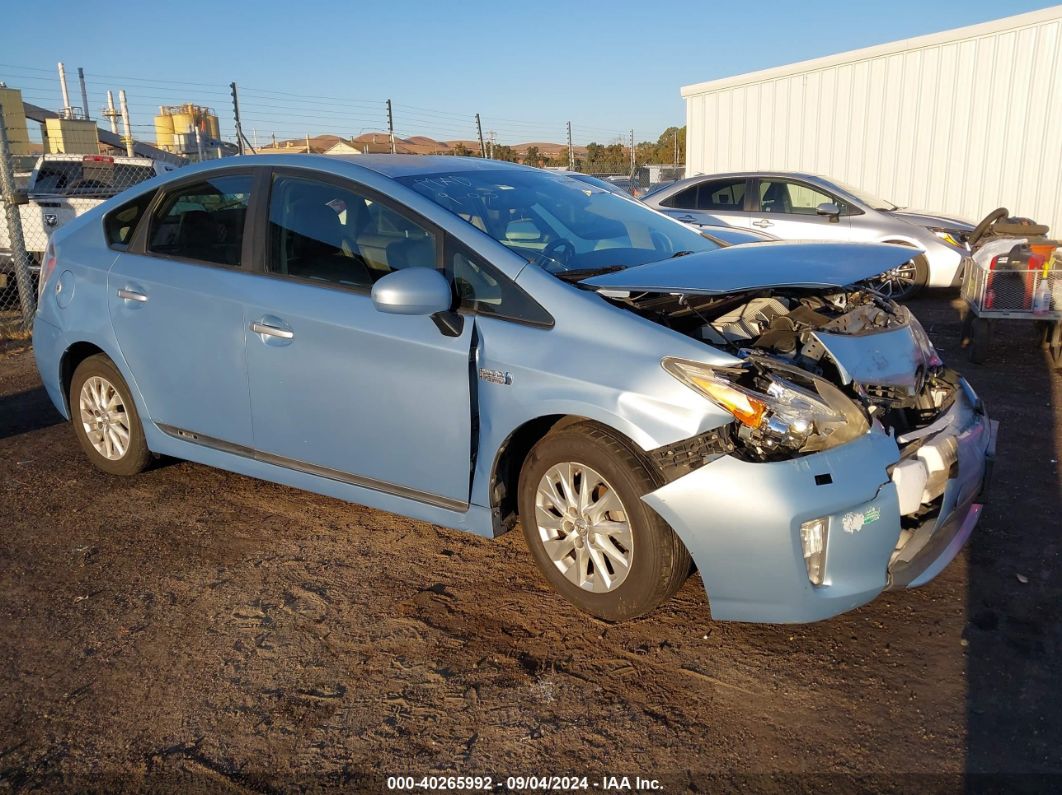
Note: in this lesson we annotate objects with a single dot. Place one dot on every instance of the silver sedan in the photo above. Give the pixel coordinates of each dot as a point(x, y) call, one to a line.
point(797, 206)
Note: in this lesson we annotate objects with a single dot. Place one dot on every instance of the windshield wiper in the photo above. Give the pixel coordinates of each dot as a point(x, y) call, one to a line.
point(578, 274)
point(681, 254)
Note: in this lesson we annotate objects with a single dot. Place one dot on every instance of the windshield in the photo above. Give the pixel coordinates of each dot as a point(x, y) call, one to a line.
point(558, 223)
point(869, 199)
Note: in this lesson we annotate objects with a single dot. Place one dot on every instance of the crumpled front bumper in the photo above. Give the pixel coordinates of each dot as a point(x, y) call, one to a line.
point(741, 522)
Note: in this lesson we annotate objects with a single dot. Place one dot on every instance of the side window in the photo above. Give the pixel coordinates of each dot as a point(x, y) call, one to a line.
point(203, 221)
point(790, 197)
point(483, 289)
point(722, 195)
point(683, 200)
point(119, 225)
point(324, 231)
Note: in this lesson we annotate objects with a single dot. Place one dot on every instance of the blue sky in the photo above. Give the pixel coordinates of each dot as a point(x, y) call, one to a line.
point(314, 66)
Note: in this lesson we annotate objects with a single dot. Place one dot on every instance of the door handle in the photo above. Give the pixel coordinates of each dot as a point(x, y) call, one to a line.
point(687, 219)
point(272, 331)
point(762, 223)
point(132, 295)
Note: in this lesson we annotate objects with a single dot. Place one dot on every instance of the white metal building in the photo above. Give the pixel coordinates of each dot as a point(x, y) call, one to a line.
point(961, 122)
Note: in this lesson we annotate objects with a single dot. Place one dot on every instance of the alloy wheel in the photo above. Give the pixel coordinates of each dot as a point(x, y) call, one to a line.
point(104, 418)
point(584, 527)
point(898, 282)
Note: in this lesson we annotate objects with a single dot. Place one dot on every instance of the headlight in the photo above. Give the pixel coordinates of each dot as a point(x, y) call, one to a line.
point(776, 407)
point(950, 236)
point(925, 345)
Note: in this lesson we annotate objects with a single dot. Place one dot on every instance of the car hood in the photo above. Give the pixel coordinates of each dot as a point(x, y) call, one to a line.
point(928, 219)
point(769, 264)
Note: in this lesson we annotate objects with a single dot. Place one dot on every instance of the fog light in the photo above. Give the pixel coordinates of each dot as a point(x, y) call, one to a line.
point(813, 542)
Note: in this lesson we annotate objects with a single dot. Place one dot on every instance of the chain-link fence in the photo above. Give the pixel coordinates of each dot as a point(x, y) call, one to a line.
point(17, 286)
point(40, 194)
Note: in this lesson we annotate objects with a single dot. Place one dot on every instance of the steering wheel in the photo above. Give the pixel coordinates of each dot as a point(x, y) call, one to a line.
point(557, 251)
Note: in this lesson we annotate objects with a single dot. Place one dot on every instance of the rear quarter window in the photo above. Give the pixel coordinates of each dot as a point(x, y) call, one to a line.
point(120, 224)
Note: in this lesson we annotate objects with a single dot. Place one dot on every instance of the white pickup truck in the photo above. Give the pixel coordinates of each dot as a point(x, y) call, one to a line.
point(61, 188)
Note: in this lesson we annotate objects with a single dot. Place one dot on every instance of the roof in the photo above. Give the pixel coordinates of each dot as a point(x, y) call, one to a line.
point(867, 53)
point(806, 176)
point(408, 165)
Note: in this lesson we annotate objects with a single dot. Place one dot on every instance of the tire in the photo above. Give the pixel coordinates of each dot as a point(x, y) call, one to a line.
point(657, 561)
point(1020, 230)
point(118, 430)
point(914, 273)
point(986, 222)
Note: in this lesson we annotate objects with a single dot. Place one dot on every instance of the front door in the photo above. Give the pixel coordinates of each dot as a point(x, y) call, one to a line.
point(338, 388)
point(176, 304)
point(789, 210)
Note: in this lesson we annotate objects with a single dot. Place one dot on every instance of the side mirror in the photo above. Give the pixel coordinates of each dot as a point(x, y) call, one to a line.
point(830, 209)
point(412, 291)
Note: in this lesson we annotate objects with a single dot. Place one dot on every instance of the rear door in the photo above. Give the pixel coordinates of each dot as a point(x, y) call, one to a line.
point(176, 304)
point(788, 209)
point(339, 389)
point(719, 202)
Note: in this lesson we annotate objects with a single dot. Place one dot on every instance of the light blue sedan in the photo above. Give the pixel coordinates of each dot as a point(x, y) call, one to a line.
point(482, 345)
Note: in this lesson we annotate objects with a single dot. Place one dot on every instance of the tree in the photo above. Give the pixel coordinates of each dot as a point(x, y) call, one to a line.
point(663, 150)
point(532, 157)
point(502, 152)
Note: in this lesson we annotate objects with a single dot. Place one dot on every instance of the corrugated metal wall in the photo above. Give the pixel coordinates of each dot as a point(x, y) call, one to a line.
point(962, 121)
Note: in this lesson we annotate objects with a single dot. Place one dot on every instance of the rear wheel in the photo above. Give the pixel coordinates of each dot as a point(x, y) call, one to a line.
point(588, 530)
point(105, 418)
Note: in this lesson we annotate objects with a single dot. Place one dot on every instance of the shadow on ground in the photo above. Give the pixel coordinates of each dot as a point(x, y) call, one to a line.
point(1013, 631)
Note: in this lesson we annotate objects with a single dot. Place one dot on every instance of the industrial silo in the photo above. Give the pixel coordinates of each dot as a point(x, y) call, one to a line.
point(164, 129)
point(213, 129)
point(183, 119)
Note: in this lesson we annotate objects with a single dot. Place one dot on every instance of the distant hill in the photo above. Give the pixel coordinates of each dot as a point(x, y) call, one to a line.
point(378, 142)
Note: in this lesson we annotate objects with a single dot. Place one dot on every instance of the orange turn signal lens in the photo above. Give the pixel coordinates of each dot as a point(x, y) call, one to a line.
point(746, 409)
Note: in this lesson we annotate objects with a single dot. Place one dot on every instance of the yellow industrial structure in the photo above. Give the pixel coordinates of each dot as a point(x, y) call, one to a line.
point(71, 137)
point(15, 120)
point(175, 122)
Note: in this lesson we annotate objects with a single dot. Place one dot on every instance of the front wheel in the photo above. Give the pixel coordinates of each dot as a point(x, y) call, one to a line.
point(904, 281)
point(105, 419)
point(588, 530)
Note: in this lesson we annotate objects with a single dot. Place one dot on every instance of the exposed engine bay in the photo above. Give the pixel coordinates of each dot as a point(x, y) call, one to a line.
point(834, 347)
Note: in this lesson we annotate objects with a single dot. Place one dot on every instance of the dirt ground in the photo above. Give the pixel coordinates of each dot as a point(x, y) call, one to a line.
point(194, 629)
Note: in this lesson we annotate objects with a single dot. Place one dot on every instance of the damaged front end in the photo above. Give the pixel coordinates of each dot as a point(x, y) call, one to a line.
point(853, 462)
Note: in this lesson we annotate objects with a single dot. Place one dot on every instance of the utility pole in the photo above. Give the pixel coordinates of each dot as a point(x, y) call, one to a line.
point(236, 116)
point(632, 153)
point(391, 126)
point(128, 137)
point(571, 151)
point(111, 113)
point(17, 242)
point(479, 132)
point(675, 136)
point(254, 136)
point(198, 143)
point(308, 144)
point(490, 139)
